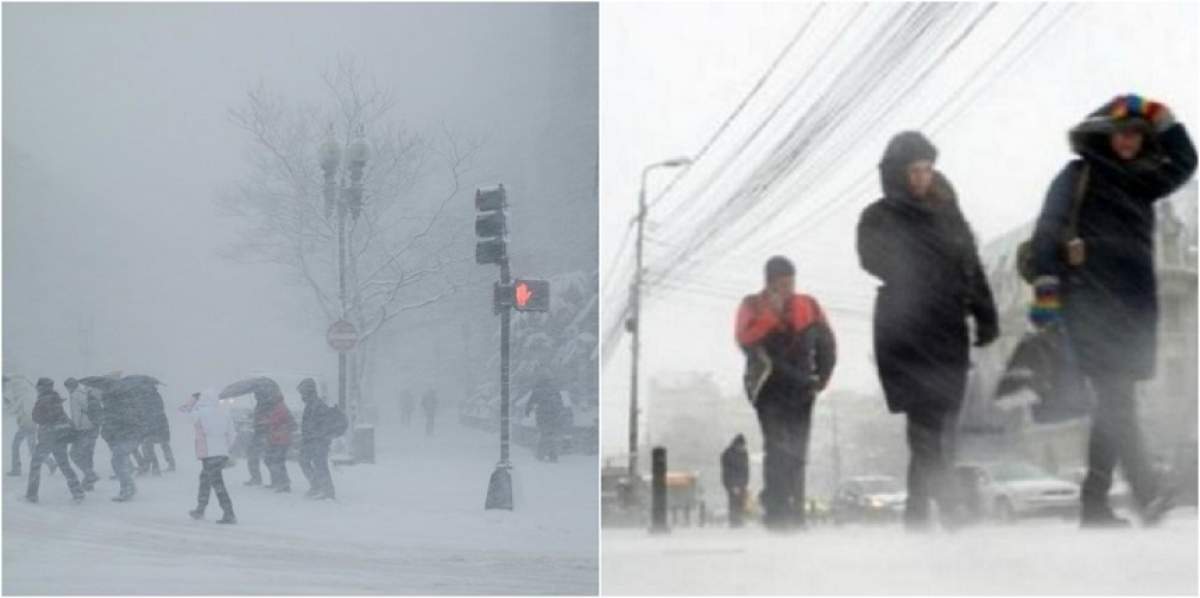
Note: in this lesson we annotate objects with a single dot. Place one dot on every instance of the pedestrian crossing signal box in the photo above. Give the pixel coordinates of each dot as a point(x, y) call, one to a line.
point(522, 295)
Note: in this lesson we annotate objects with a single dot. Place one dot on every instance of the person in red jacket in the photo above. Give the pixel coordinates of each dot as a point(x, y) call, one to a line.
point(279, 423)
point(790, 355)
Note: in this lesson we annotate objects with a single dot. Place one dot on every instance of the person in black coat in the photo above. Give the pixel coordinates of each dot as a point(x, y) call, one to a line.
point(121, 428)
point(735, 476)
point(156, 430)
point(917, 242)
point(1102, 284)
point(545, 402)
point(55, 434)
point(316, 434)
point(429, 404)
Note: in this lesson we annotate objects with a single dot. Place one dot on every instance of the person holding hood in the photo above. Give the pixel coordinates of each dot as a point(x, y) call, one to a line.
point(1100, 282)
point(19, 396)
point(215, 433)
point(279, 424)
point(55, 433)
point(916, 241)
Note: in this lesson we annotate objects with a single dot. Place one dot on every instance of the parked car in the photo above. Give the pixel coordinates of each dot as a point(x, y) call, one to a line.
point(1010, 490)
point(869, 499)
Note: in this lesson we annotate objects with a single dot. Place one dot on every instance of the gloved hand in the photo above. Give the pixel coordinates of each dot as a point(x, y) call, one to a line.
point(986, 333)
point(1156, 113)
point(1046, 307)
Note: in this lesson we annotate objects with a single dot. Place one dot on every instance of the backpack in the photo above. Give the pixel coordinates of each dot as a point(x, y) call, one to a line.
point(337, 421)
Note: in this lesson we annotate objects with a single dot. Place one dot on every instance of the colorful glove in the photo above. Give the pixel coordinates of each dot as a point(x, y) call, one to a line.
point(1046, 307)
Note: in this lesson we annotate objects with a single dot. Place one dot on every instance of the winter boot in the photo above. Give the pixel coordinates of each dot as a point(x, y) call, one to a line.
point(313, 493)
point(227, 518)
point(31, 499)
point(1154, 511)
point(1101, 517)
point(283, 489)
point(197, 513)
point(78, 498)
point(252, 482)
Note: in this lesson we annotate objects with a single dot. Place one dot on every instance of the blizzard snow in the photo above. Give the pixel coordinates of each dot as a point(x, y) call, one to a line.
point(1033, 557)
point(413, 523)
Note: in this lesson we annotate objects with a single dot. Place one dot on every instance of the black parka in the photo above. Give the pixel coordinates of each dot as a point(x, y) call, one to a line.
point(1110, 303)
point(926, 257)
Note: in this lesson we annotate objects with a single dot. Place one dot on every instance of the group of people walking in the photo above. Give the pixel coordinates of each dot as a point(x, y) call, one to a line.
point(128, 414)
point(1092, 271)
point(429, 408)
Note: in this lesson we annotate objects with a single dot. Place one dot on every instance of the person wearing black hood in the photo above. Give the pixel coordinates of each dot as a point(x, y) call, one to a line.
point(1101, 281)
point(316, 434)
point(735, 476)
point(790, 355)
point(917, 242)
point(55, 433)
point(156, 430)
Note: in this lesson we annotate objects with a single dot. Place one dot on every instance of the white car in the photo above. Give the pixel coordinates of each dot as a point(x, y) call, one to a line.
point(1008, 490)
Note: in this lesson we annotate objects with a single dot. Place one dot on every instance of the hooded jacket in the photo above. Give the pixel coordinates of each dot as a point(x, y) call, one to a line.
point(278, 421)
point(924, 254)
point(215, 430)
point(19, 396)
point(48, 412)
point(1110, 303)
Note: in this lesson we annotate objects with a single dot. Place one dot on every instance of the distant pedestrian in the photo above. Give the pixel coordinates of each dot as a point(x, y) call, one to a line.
point(790, 356)
point(55, 433)
point(735, 477)
point(545, 401)
point(215, 433)
point(917, 242)
point(429, 405)
point(1101, 283)
point(407, 406)
point(317, 430)
point(85, 412)
point(19, 397)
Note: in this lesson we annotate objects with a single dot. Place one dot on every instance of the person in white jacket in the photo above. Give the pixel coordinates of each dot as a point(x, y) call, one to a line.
point(214, 436)
point(19, 396)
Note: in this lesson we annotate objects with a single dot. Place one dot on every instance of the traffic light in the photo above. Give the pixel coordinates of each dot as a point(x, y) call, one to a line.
point(491, 225)
point(531, 295)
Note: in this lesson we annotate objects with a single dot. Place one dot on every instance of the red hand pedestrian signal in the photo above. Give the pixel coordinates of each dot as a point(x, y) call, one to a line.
point(531, 295)
point(523, 295)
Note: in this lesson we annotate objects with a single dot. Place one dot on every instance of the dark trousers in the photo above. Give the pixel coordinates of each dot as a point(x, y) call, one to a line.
point(26, 435)
point(83, 451)
point(1116, 438)
point(52, 442)
point(429, 421)
point(122, 464)
point(212, 481)
point(737, 505)
point(276, 461)
point(149, 460)
point(786, 419)
point(254, 451)
point(931, 457)
point(314, 462)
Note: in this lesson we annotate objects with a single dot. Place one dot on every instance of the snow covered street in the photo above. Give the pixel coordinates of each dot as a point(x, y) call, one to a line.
point(1034, 557)
point(413, 523)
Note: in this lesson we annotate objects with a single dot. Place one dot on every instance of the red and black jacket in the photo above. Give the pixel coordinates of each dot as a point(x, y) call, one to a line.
point(798, 343)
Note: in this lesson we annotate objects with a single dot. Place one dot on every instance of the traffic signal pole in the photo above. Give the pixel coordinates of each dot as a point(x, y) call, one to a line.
point(505, 327)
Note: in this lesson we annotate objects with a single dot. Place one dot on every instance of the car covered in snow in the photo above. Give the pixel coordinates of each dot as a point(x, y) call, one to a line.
point(868, 499)
point(1009, 490)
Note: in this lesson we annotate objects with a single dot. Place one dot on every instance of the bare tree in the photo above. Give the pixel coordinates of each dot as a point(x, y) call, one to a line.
point(397, 247)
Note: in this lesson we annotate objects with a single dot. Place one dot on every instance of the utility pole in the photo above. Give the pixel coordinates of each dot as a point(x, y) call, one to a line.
point(634, 323)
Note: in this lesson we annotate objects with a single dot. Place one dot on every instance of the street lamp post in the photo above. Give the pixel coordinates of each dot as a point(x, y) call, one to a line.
point(634, 322)
point(343, 199)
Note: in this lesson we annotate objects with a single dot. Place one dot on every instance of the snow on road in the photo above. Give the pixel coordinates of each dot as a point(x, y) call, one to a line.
point(1035, 557)
point(413, 523)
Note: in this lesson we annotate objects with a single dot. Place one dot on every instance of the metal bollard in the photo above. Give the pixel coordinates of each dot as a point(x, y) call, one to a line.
point(658, 491)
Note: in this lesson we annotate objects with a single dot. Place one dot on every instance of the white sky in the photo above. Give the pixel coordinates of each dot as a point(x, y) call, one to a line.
point(671, 72)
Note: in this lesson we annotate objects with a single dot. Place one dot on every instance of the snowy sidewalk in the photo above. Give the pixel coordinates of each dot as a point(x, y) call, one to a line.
point(1036, 557)
point(411, 524)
